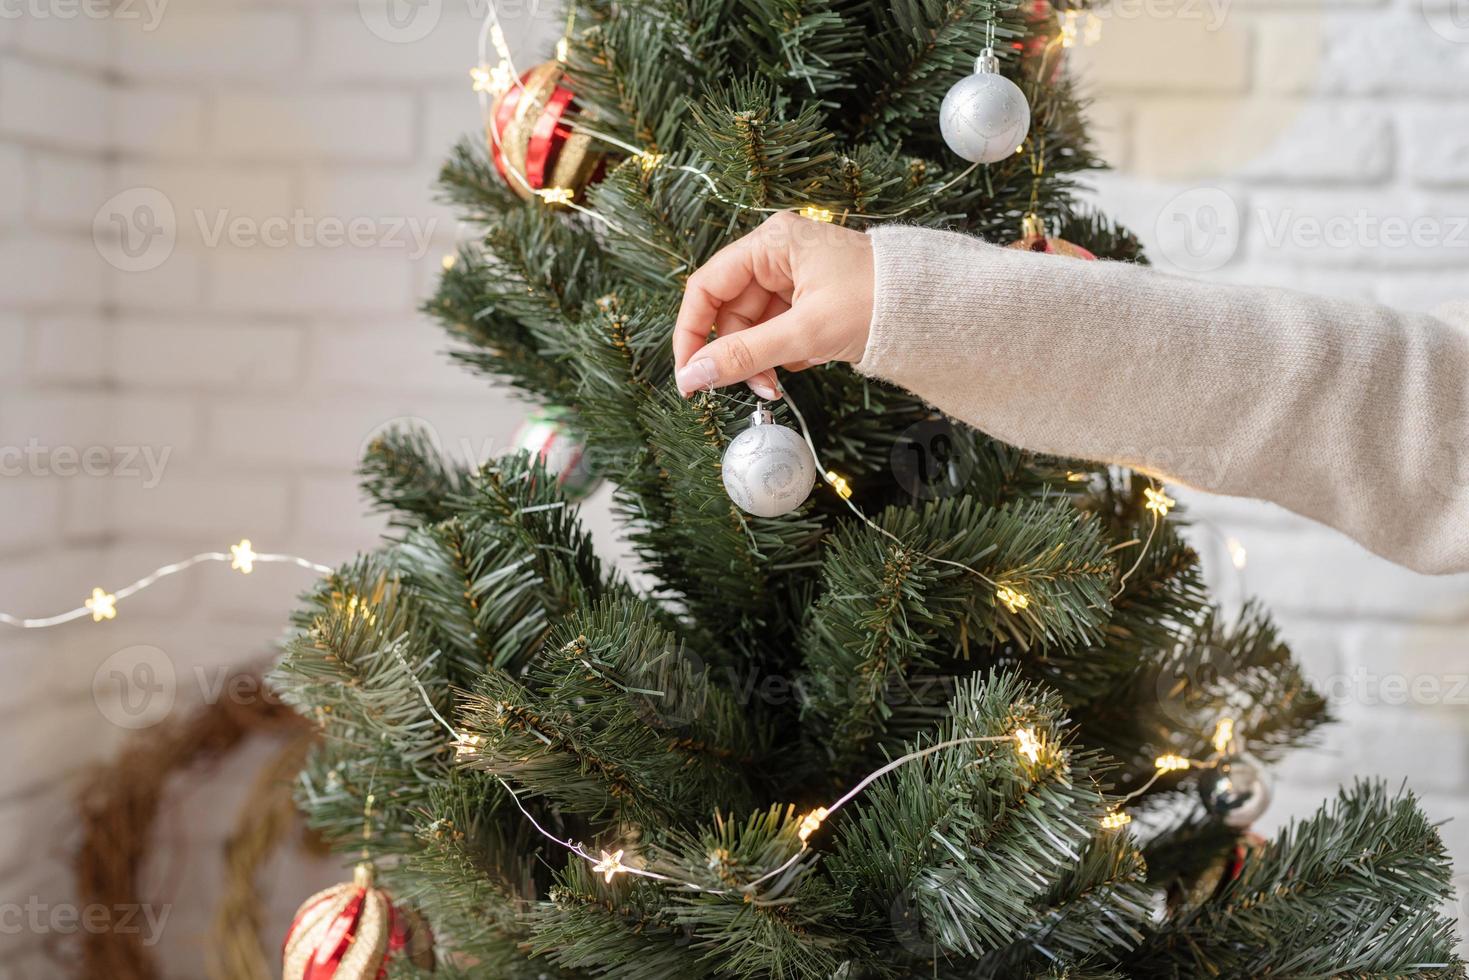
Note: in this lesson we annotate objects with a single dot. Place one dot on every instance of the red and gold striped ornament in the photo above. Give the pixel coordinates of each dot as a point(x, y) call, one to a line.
point(1033, 238)
point(531, 137)
point(552, 437)
point(351, 931)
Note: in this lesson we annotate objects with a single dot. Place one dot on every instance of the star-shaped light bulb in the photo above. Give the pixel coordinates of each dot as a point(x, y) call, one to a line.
point(610, 866)
point(242, 557)
point(492, 80)
point(556, 195)
point(1223, 734)
point(839, 484)
point(813, 213)
point(1011, 599)
point(1028, 745)
point(810, 823)
point(465, 745)
point(1171, 763)
point(1158, 501)
point(102, 605)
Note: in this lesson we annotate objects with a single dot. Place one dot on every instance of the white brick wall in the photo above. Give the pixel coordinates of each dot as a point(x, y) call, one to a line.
point(1304, 110)
point(260, 370)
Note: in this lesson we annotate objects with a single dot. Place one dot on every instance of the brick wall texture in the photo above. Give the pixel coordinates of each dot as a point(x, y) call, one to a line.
point(216, 223)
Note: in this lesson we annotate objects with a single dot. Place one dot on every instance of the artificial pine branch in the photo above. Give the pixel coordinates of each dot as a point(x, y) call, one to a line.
point(1352, 891)
point(665, 724)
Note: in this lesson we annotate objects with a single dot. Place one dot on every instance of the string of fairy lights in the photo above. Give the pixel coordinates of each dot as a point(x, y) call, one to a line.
point(101, 605)
point(491, 80)
point(1028, 745)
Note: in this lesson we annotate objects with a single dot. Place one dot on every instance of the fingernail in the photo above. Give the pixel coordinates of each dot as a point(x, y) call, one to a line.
point(698, 373)
point(762, 389)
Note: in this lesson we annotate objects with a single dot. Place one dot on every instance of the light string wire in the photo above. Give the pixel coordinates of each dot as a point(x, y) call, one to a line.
point(503, 75)
point(611, 864)
point(102, 604)
point(1225, 740)
point(492, 33)
point(1158, 504)
point(830, 477)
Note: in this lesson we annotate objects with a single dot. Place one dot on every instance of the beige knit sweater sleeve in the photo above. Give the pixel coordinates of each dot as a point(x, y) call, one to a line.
point(1353, 415)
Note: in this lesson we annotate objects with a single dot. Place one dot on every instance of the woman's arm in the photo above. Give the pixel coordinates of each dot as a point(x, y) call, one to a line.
point(1353, 415)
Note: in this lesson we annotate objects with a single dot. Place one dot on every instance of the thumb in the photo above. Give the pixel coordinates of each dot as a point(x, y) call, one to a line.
point(741, 356)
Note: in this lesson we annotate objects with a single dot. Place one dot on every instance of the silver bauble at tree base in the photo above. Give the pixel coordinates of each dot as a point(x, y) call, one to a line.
point(768, 469)
point(1236, 790)
point(985, 117)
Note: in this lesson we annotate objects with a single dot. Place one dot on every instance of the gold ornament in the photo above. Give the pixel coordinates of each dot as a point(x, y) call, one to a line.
point(349, 931)
point(531, 140)
point(1033, 238)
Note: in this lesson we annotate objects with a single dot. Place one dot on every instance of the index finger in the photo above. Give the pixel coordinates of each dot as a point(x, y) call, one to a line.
point(725, 276)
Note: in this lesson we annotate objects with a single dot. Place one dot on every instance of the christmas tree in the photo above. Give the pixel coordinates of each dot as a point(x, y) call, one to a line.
point(967, 712)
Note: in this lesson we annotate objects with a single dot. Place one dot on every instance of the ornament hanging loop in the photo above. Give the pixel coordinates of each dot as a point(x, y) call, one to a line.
point(988, 63)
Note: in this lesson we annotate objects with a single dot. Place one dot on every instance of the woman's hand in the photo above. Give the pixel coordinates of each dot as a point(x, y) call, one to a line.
point(793, 293)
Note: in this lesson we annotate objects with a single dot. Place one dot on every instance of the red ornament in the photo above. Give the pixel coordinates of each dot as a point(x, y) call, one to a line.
point(1247, 845)
point(1036, 47)
point(350, 931)
point(1033, 238)
point(531, 140)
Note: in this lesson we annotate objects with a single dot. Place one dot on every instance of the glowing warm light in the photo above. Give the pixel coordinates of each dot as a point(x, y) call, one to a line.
point(610, 866)
point(810, 823)
point(467, 745)
point(1113, 819)
point(1171, 763)
point(1223, 734)
point(1158, 501)
point(1092, 34)
point(556, 195)
point(1028, 745)
point(839, 484)
point(356, 607)
point(448, 261)
point(563, 48)
point(1068, 29)
point(497, 38)
point(1012, 600)
point(649, 160)
point(1237, 553)
point(816, 214)
point(492, 79)
point(102, 605)
point(242, 557)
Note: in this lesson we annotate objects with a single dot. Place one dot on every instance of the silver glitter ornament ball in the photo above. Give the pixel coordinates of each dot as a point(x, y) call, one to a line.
point(768, 469)
point(1236, 790)
point(985, 117)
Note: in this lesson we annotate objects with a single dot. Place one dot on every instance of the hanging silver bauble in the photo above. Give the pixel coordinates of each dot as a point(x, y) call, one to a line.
point(1237, 790)
point(768, 469)
point(985, 117)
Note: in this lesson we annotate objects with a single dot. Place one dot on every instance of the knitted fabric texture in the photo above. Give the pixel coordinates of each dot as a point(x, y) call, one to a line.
point(1350, 414)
